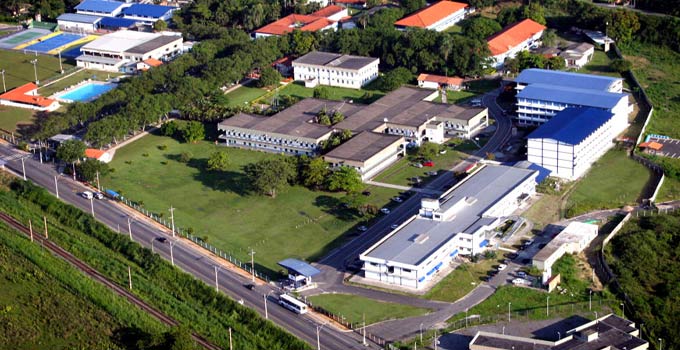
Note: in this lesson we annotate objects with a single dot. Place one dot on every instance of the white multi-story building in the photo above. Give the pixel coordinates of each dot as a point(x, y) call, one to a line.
point(368, 152)
point(543, 93)
point(438, 16)
point(324, 68)
point(514, 39)
point(461, 221)
point(122, 50)
point(570, 142)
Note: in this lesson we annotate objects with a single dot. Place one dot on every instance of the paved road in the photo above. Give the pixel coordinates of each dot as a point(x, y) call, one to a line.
point(333, 265)
point(186, 256)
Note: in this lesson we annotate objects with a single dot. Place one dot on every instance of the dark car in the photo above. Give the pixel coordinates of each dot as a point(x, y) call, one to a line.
point(512, 256)
point(162, 239)
point(249, 286)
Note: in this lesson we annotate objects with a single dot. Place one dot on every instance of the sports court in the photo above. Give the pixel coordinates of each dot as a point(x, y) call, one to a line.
point(22, 37)
point(53, 42)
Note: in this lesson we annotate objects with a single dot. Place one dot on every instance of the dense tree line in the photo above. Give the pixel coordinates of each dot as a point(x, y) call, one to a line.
point(670, 7)
point(10, 10)
point(647, 264)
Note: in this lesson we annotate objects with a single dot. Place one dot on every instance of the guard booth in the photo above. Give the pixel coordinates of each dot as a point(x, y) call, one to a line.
point(300, 274)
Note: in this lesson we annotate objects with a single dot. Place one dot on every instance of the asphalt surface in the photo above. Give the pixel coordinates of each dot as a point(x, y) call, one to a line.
point(186, 256)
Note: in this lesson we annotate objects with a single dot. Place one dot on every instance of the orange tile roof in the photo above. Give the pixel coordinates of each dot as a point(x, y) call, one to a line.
point(20, 95)
point(290, 22)
point(653, 145)
point(431, 14)
point(286, 61)
point(328, 11)
point(513, 36)
point(153, 62)
point(456, 81)
point(94, 153)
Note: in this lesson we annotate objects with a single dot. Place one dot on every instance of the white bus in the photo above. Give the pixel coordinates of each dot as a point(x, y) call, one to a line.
point(292, 304)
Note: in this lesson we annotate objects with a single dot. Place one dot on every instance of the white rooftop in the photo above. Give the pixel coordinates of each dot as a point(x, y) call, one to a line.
point(120, 41)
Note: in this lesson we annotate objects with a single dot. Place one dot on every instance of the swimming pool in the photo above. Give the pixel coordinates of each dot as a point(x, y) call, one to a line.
point(87, 92)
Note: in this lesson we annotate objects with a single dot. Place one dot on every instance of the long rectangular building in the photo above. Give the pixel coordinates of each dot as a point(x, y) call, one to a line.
point(325, 68)
point(461, 221)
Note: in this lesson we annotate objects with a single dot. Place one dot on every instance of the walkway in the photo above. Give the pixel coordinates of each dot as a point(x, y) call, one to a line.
point(404, 188)
point(62, 78)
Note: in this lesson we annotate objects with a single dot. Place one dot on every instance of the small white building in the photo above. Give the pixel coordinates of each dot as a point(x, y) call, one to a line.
point(578, 55)
point(368, 152)
point(325, 68)
point(572, 240)
point(104, 8)
point(74, 22)
point(514, 39)
point(438, 16)
point(116, 51)
point(436, 82)
point(570, 142)
point(461, 221)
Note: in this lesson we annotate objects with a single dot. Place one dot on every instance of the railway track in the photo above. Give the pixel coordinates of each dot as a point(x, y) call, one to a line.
point(97, 276)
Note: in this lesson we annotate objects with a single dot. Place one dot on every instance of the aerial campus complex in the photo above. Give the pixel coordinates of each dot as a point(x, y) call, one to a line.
point(484, 154)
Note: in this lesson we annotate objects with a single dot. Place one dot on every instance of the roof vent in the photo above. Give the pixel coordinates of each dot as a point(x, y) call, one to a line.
point(420, 238)
point(470, 200)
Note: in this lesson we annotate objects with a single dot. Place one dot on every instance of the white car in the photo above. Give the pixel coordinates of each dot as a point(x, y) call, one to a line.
point(502, 267)
point(394, 226)
point(98, 195)
point(362, 228)
point(87, 195)
point(519, 281)
point(398, 199)
point(385, 211)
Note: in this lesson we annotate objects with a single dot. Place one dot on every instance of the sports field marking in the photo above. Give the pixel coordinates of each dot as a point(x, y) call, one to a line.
point(19, 38)
point(35, 41)
point(83, 40)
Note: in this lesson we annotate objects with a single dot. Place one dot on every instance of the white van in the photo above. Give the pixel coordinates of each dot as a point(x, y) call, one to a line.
point(87, 195)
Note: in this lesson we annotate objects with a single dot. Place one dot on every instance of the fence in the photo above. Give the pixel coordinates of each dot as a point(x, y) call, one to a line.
point(358, 328)
point(185, 233)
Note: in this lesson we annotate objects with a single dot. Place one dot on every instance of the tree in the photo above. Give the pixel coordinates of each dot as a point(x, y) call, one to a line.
point(218, 161)
point(622, 25)
point(394, 79)
point(89, 168)
point(620, 65)
point(314, 172)
point(345, 179)
point(269, 77)
point(270, 176)
point(71, 151)
point(428, 150)
point(322, 92)
point(412, 5)
point(185, 157)
point(170, 128)
point(534, 11)
point(192, 132)
point(480, 27)
point(160, 25)
point(324, 119)
point(549, 38)
point(337, 117)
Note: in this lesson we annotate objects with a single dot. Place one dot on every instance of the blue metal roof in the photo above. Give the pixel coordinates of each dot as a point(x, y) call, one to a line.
point(572, 96)
point(572, 125)
point(147, 10)
point(103, 6)
point(117, 22)
point(300, 267)
point(79, 18)
point(566, 79)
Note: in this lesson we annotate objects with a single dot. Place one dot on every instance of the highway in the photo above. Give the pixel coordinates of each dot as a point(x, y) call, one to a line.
point(185, 254)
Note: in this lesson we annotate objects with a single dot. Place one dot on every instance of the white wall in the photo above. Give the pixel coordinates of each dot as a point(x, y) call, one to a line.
point(77, 26)
point(500, 58)
point(331, 76)
point(448, 21)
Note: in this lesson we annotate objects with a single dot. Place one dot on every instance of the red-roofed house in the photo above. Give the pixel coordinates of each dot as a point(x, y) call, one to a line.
point(431, 81)
point(438, 16)
point(326, 18)
point(102, 156)
point(513, 39)
point(26, 96)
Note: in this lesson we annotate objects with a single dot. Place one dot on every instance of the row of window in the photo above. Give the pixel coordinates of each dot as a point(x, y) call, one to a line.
point(264, 138)
point(273, 148)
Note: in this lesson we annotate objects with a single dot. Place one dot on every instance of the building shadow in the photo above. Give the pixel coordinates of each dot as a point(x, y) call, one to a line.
point(550, 332)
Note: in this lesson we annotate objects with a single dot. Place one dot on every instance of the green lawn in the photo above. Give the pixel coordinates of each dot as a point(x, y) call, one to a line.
point(244, 94)
point(457, 97)
point(354, 307)
point(75, 79)
point(454, 29)
point(599, 65)
point(613, 181)
point(460, 281)
point(19, 70)
point(670, 190)
point(298, 90)
point(402, 171)
point(297, 223)
point(10, 117)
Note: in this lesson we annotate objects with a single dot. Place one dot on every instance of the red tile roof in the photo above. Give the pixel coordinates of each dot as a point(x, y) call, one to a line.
point(94, 153)
point(653, 145)
point(328, 11)
point(513, 36)
point(286, 61)
point(153, 62)
point(456, 81)
point(21, 95)
point(311, 23)
point(431, 14)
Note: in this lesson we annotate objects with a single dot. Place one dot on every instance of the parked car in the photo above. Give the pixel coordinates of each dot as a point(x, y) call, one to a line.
point(98, 195)
point(502, 267)
point(385, 210)
point(417, 165)
point(397, 199)
point(519, 281)
point(249, 286)
point(512, 255)
point(432, 173)
point(87, 195)
point(428, 163)
point(521, 274)
point(161, 239)
point(362, 228)
point(394, 226)
point(529, 242)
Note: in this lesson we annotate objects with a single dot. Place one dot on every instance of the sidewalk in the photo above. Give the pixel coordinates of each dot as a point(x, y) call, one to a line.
point(404, 188)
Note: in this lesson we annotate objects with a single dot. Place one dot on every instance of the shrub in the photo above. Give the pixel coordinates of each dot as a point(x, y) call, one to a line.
point(185, 157)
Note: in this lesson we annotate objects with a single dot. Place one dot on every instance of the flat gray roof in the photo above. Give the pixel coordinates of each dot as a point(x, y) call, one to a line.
point(329, 59)
point(79, 18)
point(487, 186)
point(363, 146)
point(295, 121)
point(153, 44)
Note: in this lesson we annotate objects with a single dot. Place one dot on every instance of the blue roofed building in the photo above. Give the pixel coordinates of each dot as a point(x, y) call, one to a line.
point(570, 142)
point(543, 93)
point(104, 8)
point(149, 13)
point(300, 273)
point(117, 23)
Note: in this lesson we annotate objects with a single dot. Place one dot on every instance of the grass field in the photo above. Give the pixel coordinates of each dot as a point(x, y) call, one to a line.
point(457, 97)
point(19, 70)
point(460, 281)
point(299, 91)
point(600, 65)
point(75, 79)
point(670, 190)
point(244, 94)
point(613, 181)
point(297, 223)
point(658, 71)
point(354, 307)
point(10, 117)
point(544, 211)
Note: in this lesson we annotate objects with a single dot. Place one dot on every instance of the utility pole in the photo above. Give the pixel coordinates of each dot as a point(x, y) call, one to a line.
point(46, 234)
point(172, 219)
point(35, 70)
point(252, 262)
point(172, 257)
point(23, 168)
point(266, 314)
point(56, 187)
point(435, 340)
point(590, 301)
point(130, 277)
point(421, 334)
point(231, 346)
point(30, 228)
point(217, 283)
point(509, 303)
point(318, 339)
point(130, 231)
point(363, 342)
point(4, 87)
point(98, 187)
point(92, 205)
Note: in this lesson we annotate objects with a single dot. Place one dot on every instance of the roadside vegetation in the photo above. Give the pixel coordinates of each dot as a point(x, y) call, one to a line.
point(353, 308)
point(461, 281)
point(188, 300)
point(645, 260)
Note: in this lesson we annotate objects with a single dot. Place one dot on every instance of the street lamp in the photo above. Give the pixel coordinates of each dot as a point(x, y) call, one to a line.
point(172, 219)
point(56, 187)
point(152, 239)
point(318, 338)
point(660, 344)
point(172, 257)
point(129, 220)
point(421, 333)
point(547, 306)
point(590, 301)
point(266, 314)
point(61, 67)
point(217, 282)
point(509, 303)
point(623, 310)
point(35, 70)
point(23, 168)
point(559, 335)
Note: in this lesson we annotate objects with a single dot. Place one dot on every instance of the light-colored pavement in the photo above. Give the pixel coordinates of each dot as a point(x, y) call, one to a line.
point(404, 188)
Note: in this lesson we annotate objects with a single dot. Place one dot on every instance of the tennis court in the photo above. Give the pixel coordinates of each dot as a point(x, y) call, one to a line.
point(22, 37)
point(53, 42)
